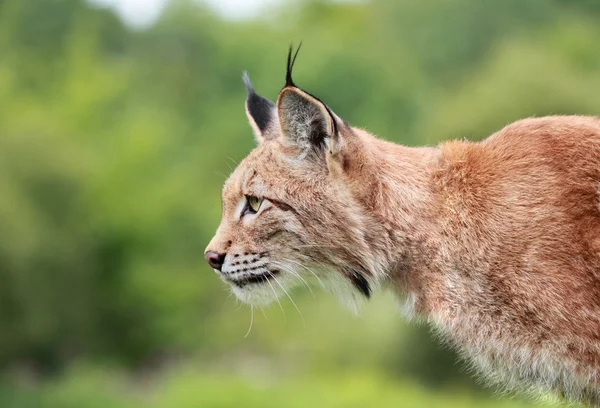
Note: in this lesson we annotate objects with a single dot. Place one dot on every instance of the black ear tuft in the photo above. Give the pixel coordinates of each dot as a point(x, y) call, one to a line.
point(290, 66)
point(246, 79)
point(260, 109)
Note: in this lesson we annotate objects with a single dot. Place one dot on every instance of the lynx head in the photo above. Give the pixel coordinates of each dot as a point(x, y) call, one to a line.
point(290, 210)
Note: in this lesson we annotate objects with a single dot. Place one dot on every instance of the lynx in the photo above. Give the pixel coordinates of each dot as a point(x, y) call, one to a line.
point(495, 243)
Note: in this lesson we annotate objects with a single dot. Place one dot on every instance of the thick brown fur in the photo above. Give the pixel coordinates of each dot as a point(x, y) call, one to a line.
point(495, 243)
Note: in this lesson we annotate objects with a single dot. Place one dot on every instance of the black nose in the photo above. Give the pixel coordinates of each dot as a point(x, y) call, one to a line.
point(214, 259)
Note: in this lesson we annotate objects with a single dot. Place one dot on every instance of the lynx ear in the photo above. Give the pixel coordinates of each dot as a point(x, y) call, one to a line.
point(261, 113)
point(305, 121)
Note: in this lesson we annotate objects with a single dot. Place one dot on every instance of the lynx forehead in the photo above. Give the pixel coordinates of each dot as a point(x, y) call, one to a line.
point(495, 243)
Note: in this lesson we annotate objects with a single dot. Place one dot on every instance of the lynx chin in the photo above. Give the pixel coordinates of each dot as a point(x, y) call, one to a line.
point(495, 243)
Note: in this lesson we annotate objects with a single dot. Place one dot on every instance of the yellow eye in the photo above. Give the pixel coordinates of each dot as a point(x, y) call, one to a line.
point(252, 205)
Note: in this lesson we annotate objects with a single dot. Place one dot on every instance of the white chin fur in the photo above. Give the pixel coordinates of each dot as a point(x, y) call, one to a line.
point(344, 291)
point(264, 293)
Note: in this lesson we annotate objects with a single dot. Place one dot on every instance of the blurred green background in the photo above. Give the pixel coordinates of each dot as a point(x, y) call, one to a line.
point(115, 139)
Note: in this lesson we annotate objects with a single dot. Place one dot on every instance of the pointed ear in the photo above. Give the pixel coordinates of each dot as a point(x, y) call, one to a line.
point(261, 113)
point(306, 122)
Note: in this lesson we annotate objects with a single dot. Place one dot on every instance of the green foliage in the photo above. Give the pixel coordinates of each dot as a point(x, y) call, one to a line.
point(190, 388)
point(114, 144)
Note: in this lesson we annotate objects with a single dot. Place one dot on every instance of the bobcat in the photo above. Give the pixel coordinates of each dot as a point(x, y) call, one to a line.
point(495, 243)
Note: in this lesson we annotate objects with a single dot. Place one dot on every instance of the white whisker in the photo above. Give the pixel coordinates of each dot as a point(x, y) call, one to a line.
point(263, 312)
point(308, 269)
point(232, 161)
point(251, 320)
point(237, 302)
point(218, 173)
point(277, 298)
point(323, 266)
point(296, 274)
point(289, 297)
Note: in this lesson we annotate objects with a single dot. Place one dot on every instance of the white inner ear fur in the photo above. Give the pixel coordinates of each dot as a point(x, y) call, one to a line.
point(333, 141)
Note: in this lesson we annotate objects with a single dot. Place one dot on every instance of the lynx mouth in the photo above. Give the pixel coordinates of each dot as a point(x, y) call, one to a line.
point(253, 279)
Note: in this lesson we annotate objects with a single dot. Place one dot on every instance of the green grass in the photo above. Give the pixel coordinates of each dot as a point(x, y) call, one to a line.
point(86, 387)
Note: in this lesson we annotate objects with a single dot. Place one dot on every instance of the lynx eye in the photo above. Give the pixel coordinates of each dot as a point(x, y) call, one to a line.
point(252, 205)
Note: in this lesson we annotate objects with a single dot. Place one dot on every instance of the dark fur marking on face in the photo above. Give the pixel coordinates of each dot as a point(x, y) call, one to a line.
point(271, 235)
point(286, 207)
point(361, 283)
point(281, 205)
point(267, 210)
point(250, 179)
point(345, 164)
